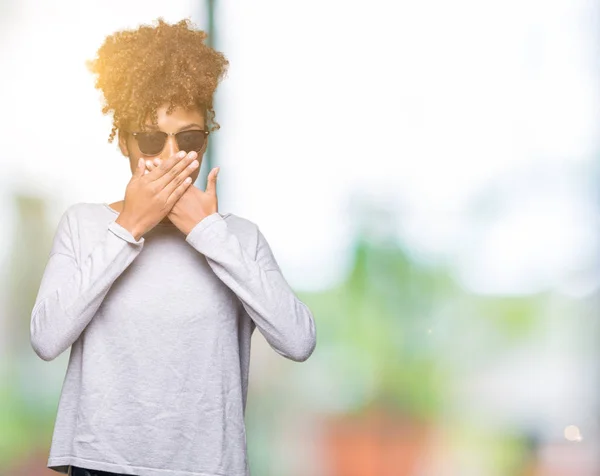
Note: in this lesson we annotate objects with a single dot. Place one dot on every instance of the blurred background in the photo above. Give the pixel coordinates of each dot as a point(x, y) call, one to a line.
point(427, 176)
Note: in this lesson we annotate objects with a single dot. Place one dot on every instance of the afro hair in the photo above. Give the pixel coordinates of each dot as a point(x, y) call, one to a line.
point(140, 70)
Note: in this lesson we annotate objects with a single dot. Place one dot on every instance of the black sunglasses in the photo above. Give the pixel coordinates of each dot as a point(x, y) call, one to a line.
point(153, 142)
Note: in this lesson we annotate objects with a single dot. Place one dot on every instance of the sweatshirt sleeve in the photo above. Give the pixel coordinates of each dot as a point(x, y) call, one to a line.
point(286, 322)
point(70, 293)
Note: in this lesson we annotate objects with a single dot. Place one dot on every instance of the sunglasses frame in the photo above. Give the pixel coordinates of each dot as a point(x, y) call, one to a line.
point(166, 135)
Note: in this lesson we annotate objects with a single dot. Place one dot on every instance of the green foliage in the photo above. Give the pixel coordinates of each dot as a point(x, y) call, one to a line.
point(23, 426)
point(395, 319)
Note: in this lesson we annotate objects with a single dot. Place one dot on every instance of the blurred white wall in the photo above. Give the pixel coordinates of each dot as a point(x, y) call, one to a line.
point(421, 106)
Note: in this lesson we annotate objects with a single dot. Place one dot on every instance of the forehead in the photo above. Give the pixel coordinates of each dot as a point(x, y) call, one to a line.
point(177, 118)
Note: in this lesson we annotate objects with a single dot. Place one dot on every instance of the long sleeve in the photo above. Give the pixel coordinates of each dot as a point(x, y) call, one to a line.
point(70, 293)
point(286, 322)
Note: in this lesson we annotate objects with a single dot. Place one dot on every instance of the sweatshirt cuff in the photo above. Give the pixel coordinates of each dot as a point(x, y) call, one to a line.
point(195, 236)
point(124, 233)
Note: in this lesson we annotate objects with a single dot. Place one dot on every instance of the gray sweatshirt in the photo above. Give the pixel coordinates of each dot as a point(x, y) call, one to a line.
point(160, 332)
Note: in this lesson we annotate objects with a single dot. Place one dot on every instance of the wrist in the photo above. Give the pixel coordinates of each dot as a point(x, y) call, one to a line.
point(130, 226)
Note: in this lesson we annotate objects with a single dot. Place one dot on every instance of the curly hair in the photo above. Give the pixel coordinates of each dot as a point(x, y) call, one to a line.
point(140, 70)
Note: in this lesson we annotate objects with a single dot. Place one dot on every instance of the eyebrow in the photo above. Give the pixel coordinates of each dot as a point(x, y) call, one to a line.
point(184, 128)
point(190, 126)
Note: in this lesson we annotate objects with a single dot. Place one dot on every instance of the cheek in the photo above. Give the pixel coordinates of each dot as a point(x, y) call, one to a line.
point(133, 160)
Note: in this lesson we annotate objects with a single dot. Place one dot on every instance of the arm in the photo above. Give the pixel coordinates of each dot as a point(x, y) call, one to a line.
point(70, 293)
point(286, 322)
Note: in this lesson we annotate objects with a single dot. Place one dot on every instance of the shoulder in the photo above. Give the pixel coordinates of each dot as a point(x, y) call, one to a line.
point(233, 219)
point(72, 221)
point(251, 237)
point(82, 206)
point(86, 215)
point(82, 210)
point(246, 230)
point(239, 225)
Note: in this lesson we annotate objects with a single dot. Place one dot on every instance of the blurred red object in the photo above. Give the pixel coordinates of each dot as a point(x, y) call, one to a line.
point(375, 443)
point(33, 464)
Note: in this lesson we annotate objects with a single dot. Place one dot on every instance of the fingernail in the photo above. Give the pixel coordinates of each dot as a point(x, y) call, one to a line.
point(192, 154)
point(157, 161)
point(181, 154)
point(148, 163)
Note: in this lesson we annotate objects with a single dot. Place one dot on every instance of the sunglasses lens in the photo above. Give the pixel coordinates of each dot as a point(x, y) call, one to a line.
point(151, 143)
point(191, 140)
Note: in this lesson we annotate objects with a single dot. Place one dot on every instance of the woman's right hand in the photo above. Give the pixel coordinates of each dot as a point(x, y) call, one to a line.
point(149, 197)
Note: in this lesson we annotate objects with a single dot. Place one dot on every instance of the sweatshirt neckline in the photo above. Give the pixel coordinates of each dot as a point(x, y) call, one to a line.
point(170, 225)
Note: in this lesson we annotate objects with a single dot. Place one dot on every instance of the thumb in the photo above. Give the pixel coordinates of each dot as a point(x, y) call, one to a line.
point(211, 186)
point(139, 171)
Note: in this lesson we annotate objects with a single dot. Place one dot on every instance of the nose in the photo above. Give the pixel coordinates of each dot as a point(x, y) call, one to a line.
point(170, 148)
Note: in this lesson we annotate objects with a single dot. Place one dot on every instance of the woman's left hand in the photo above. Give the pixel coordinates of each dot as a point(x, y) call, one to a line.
point(195, 204)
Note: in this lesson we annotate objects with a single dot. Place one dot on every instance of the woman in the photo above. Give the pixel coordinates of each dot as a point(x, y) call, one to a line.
point(158, 294)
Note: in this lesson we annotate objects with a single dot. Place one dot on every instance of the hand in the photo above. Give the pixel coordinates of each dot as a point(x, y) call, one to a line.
point(150, 197)
point(194, 205)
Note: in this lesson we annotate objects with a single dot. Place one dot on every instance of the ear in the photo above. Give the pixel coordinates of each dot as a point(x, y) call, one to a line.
point(123, 143)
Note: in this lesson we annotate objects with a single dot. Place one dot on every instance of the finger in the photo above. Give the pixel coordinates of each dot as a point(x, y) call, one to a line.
point(178, 191)
point(139, 171)
point(211, 181)
point(159, 172)
point(181, 177)
point(175, 170)
point(149, 166)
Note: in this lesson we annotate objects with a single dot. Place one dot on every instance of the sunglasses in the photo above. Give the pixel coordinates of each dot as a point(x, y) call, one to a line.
point(153, 142)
